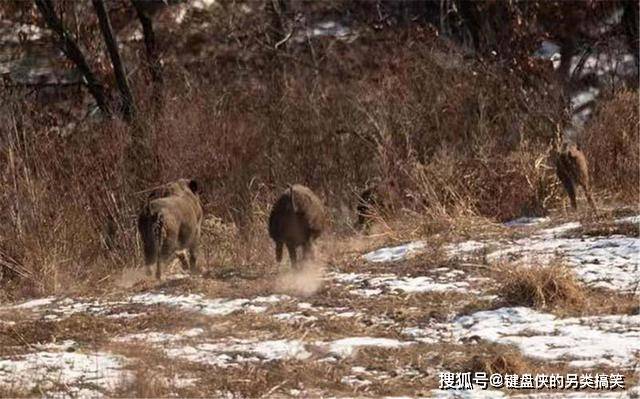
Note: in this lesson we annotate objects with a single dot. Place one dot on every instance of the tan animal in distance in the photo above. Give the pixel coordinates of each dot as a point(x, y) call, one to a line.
point(572, 170)
point(297, 219)
point(170, 222)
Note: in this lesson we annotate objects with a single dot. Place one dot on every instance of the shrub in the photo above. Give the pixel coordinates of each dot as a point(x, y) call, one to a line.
point(610, 144)
point(541, 287)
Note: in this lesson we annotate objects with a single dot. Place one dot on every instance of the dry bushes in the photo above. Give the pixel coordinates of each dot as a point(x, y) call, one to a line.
point(610, 143)
point(549, 287)
point(456, 136)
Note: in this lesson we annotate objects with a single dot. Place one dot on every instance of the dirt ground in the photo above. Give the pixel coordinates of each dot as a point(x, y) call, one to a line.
point(373, 318)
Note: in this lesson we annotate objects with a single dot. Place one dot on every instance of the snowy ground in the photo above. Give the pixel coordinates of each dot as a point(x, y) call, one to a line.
point(387, 327)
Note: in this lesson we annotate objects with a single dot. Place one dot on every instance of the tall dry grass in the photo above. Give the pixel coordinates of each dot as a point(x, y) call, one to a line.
point(611, 143)
point(455, 135)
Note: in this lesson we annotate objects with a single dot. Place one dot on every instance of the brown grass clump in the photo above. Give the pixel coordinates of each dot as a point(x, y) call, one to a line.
point(499, 359)
point(628, 229)
point(610, 143)
point(540, 287)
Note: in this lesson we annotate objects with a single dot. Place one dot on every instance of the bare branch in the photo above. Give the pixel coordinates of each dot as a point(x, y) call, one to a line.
point(151, 46)
point(72, 51)
point(116, 61)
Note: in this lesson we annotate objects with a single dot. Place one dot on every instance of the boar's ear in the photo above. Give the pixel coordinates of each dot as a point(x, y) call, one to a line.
point(194, 186)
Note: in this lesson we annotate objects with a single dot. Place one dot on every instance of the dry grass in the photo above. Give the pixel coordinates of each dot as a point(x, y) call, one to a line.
point(547, 287)
point(554, 288)
point(499, 359)
point(87, 329)
point(246, 140)
point(608, 229)
point(610, 144)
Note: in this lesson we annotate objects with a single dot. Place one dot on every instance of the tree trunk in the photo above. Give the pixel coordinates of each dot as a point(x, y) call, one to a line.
point(151, 46)
point(154, 62)
point(128, 107)
point(72, 51)
point(630, 23)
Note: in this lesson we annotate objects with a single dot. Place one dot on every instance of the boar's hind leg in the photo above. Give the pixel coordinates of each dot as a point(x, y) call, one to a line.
point(292, 255)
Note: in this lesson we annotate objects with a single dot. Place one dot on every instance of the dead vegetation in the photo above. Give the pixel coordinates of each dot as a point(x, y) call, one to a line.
point(545, 287)
point(463, 153)
point(88, 329)
point(611, 141)
point(498, 359)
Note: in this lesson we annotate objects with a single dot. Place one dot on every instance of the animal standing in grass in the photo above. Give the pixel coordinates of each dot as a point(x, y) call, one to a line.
point(572, 170)
point(169, 223)
point(297, 219)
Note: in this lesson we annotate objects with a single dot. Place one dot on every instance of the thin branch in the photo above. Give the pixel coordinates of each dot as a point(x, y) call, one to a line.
point(116, 61)
point(72, 51)
point(151, 46)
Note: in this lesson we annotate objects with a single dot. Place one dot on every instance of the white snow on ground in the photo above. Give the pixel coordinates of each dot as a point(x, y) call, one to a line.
point(367, 284)
point(54, 366)
point(394, 254)
point(526, 221)
point(53, 309)
point(210, 307)
point(158, 337)
point(464, 248)
point(229, 351)
point(233, 351)
point(603, 262)
point(629, 219)
point(346, 346)
point(583, 342)
point(309, 312)
point(560, 229)
point(34, 303)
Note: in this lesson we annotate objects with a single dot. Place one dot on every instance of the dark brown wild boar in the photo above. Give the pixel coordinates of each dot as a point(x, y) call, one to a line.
point(297, 219)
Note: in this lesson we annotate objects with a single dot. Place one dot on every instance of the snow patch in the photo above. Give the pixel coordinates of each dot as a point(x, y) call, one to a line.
point(34, 303)
point(53, 309)
point(583, 342)
point(526, 221)
point(210, 307)
point(160, 337)
point(561, 229)
point(602, 262)
point(464, 248)
point(629, 219)
point(367, 284)
point(394, 254)
point(234, 351)
point(52, 368)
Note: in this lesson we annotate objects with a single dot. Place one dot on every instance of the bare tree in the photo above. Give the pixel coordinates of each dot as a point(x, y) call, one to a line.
point(630, 23)
point(72, 51)
point(128, 107)
point(150, 43)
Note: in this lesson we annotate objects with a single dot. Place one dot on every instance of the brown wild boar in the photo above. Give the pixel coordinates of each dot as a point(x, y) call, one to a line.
point(297, 219)
point(169, 222)
point(572, 170)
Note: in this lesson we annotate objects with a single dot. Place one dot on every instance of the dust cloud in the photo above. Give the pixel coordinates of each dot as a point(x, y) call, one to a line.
point(304, 282)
